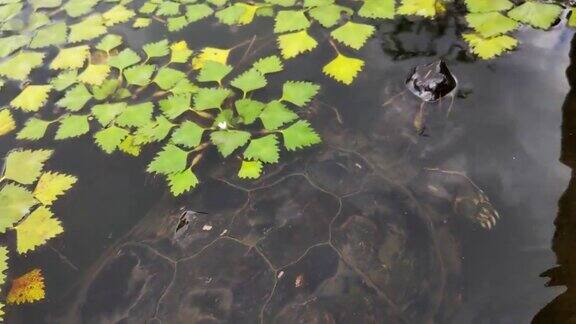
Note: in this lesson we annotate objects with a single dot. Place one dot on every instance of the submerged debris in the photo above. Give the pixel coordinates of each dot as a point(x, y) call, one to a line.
point(431, 82)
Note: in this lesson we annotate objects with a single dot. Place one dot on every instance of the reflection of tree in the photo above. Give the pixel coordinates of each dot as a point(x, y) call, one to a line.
point(563, 308)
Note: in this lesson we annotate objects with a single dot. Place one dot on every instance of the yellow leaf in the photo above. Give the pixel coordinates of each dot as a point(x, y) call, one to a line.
point(180, 52)
point(95, 74)
point(51, 185)
point(32, 97)
point(210, 54)
point(343, 68)
point(27, 288)
point(424, 8)
point(129, 147)
point(293, 44)
point(71, 58)
point(36, 229)
point(249, 12)
point(7, 123)
point(487, 48)
point(117, 14)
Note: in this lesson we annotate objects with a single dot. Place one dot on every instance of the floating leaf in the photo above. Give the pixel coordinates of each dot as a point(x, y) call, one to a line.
point(170, 160)
point(487, 48)
point(72, 126)
point(353, 34)
point(196, 12)
point(89, 28)
point(329, 15)
point(75, 98)
point(213, 72)
point(105, 113)
point(294, 44)
point(424, 8)
point(64, 80)
point(249, 110)
point(275, 114)
point(176, 105)
point(27, 288)
point(3, 268)
point(382, 9)
point(129, 147)
point(109, 138)
point(154, 132)
point(158, 49)
point(231, 15)
point(299, 92)
point(572, 18)
point(37, 229)
point(227, 141)
point(167, 77)
point(250, 170)
point(12, 43)
point(71, 58)
point(177, 23)
point(124, 59)
point(263, 149)
point(94, 74)
point(140, 74)
point(188, 134)
point(249, 81)
point(270, 64)
point(290, 20)
point(7, 123)
point(106, 89)
point(537, 14)
point(488, 5)
point(136, 115)
point(299, 135)
point(33, 129)
point(54, 34)
point(15, 203)
point(210, 54)
point(179, 52)
point(491, 23)
point(182, 181)
point(32, 98)
point(168, 8)
point(343, 68)
point(19, 66)
point(109, 42)
point(52, 185)
point(142, 22)
point(117, 14)
point(210, 98)
point(24, 166)
point(77, 8)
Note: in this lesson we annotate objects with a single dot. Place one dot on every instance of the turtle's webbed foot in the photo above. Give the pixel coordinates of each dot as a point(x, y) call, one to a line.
point(477, 208)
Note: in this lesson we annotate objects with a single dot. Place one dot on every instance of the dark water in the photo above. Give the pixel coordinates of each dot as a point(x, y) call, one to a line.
point(348, 232)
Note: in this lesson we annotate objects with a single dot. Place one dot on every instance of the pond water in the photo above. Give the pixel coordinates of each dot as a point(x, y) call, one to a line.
point(376, 225)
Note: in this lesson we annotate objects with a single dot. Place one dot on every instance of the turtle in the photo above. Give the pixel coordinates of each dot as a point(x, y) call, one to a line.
point(348, 233)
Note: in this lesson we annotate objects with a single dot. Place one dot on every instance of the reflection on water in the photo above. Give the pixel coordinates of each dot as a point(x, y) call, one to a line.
point(356, 231)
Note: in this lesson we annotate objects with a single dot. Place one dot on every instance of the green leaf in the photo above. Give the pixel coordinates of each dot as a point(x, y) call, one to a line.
point(537, 14)
point(424, 8)
point(141, 22)
point(128, 146)
point(117, 14)
point(343, 68)
point(184, 86)
point(249, 110)
point(353, 34)
point(270, 64)
point(72, 126)
point(175, 106)
point(71, 58)
point(109, 42)
point(106, 113)
point(299, 92)
point(196, 12)
point(177, 23)
point(148, 8)
point(54, 34)
point(188, 134)
point(290, 20)
point(294, 44)
point(227, 141)
point(106, 89)
point(213, 72)
point(231, 15)
point(136, 115)
point(124, 59)
point(488, 5)
point(572, 18)
point(25, 166)
point(210, 98)
point(158, 49)
point(250, 170)
point(77, 8)
point(153, 132)
point(179, 52)
point(109, 138)
point(491, 23)
point(168, 8)
point(19, 66)
point(12, 43)
point(182, 181)
point(487, 48)
point(64, 80)
point(167, 77)
point(299, 135)
point(52, 185)
point(33, 129)
point(75, 98)
point(89, 28)
point(15, 203)
point(139, 75)
point(7, 122)
point(377, 9)
point(94, 74)
point(329, 15)
point(32, 98)
point(170, 160)
point(263, 149)
point(275, 114)
point(249, 81)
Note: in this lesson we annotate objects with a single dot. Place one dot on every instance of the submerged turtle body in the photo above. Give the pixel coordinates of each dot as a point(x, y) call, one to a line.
point(349, 234)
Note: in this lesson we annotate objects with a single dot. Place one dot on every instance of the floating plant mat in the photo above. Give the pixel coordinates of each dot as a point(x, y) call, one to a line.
point(184, 99)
